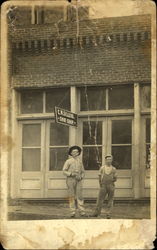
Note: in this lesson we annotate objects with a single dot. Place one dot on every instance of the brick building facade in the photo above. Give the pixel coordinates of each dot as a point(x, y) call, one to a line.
point(103, 75)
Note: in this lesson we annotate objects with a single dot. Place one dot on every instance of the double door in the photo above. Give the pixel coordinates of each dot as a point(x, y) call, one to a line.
point(43, 146)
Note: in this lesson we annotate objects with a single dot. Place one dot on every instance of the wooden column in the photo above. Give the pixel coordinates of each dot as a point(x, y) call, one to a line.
point(136, 142)
point(73, 130)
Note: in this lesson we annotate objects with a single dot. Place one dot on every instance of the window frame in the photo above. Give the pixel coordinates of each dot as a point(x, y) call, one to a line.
point(107, 111)
point(21, 123)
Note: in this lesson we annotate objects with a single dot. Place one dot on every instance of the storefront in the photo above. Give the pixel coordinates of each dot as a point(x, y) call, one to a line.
point(107, 123)
point(112, 104)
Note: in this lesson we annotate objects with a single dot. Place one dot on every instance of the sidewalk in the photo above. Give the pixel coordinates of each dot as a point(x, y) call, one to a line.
point(61, 211)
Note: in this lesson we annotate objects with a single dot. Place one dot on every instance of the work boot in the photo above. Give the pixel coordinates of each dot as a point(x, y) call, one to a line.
point(72, 215)
point(108, 216)
point(95, 214)
point(83, 214)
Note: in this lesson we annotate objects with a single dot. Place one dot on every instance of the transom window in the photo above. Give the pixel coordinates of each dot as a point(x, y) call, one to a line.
point(145, 96)
point(104, 98)
point(39, 101)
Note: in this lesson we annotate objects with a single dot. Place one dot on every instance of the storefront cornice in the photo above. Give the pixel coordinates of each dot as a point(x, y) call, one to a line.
point(39, 45)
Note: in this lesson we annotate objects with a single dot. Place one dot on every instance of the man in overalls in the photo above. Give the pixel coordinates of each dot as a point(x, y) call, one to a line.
point(107, 178)
point(74, 171)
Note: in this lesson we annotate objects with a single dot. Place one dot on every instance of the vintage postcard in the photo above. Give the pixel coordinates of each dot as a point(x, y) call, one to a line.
point(78, 124)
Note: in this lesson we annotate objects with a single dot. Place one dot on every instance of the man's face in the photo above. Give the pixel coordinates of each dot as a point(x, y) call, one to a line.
point(75, 152)
point(108, 160)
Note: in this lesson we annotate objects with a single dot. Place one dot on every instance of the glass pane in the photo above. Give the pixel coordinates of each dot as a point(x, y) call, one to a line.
point(59, 134)
point(148, 130)
point(145, 96)
point(31, 159)
point(93, 98)
point(31, 101)
point(121, 97)
point(121, 131)
point(92, 158)
point(121, 157)
point(148, 155)
point(57, 97)
point(92, 133)
point(57, 158)
point(31, 135)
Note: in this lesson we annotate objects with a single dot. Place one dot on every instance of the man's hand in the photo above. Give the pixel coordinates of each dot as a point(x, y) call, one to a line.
point(73, 174)
point(78, 178)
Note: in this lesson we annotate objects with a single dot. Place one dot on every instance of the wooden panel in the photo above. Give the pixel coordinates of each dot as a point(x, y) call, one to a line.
point(124, 182)
point(91, 183)
point(57, 193)
point(33, 194)
point(147, 192)
point(56, 184)
point(147, 182)
point(122, 193)
point(88, 193)
point(31, 183)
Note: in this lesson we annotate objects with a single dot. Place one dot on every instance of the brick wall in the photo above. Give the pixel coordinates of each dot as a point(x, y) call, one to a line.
point(118, 62)
point(87, 27)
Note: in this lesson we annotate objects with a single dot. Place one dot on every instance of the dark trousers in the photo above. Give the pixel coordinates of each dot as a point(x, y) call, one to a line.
point(105, 190)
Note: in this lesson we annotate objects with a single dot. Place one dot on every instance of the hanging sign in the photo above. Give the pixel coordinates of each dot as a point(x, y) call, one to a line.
point(65, 117)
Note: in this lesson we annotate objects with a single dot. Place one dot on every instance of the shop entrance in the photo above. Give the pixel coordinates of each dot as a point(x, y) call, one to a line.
point(101, 136)
point(43, 150)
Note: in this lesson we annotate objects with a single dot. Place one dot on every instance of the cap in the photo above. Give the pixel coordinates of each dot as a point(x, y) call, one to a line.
point(108, 155)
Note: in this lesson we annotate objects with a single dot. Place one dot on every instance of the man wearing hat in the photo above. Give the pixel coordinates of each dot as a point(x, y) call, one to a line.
point(74, 170)
point(107, 178)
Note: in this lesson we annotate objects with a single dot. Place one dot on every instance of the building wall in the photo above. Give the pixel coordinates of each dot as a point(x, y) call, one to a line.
point(124, 62)
point(110, 50)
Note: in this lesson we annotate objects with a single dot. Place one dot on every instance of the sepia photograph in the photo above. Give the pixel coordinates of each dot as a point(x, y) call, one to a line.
point(79, 88)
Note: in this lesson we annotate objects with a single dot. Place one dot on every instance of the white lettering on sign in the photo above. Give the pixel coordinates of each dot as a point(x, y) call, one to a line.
point(65, 117)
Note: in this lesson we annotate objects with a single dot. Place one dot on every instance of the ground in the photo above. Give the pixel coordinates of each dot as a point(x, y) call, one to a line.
point(51, 210)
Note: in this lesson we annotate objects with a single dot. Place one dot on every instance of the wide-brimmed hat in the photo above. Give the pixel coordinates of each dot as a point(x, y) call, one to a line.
point(74, 147)
point(108, 156)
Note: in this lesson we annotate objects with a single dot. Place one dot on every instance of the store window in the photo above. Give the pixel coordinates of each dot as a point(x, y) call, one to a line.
point(122, 143)
point(57, 97)
point(31, 147)
point(92, 98)
point(92, 144)
point(58, 146)
point(103, 98)
point(31, 101)
point(121, 97)
point(39, 101)
point(145, 96)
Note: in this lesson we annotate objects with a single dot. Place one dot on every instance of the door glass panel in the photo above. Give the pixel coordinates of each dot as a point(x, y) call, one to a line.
point(59, 134)
point(148, 155)
point(92, 157)
point(31, 101)
point(148, 130)
point(121, 97)
point(93, 98)
point(57, 97)
point(31, 135)
point(121, 131)
point(92, 133)
point(121, 157)
point(145, 96)
point(57, 158)
point(30, 159)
